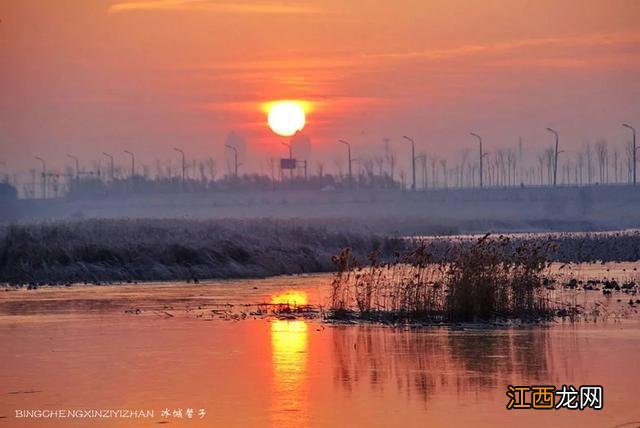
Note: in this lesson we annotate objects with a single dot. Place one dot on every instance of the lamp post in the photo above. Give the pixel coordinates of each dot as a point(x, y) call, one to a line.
point(111, 159)
point(44, 177)
point(183, 164)
point(635, 149)
point(235, 159)
point(555, 160)
point(346, 143)
point(133, 163)
point(413, 161)
point(77, 164)
point(482, 154)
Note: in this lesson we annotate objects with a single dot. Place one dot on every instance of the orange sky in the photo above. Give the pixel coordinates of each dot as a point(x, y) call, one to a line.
point(87, 76)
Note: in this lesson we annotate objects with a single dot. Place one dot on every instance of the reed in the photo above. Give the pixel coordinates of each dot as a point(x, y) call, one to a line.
point(488, 280)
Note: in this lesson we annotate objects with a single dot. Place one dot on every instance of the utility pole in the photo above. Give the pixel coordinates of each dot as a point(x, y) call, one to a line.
point(482, 154)
point(555, 160)
point(235, 158)
point(413, 161)
point(77, 164)
point(634, 149)
point(184, 166)
point(44, 177)
point(133, 163)
point(346, 143)
point(111, 159)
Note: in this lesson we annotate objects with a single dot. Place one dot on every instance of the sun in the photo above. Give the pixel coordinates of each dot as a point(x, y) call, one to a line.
point(286, 117)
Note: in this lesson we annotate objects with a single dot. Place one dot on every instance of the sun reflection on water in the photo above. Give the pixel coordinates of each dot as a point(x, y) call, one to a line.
point(291, 297)
point(289, 357)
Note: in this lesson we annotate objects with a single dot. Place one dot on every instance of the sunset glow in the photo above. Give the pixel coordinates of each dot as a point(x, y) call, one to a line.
point(187, 73)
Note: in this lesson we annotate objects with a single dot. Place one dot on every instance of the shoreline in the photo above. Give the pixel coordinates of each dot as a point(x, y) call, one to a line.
point(235, 300)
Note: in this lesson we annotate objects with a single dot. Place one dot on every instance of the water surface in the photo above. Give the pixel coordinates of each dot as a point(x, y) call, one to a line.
point(88, 347)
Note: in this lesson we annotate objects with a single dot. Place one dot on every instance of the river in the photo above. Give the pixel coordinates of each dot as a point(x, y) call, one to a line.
point(170, 347)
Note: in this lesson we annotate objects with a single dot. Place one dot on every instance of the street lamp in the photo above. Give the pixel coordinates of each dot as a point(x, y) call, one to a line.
point(413, 161)
point(44, 176)
point(555, 160)
point(77, 164)
point(482, 155)
point(346, 143)
point(633, 131)
point(111, 158)
point(183, 164)
point(235, 157)
point(133, 163)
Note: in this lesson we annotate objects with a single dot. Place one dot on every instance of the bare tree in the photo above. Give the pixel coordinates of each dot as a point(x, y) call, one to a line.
point(463, 161)
point(471, 174)
point(549, 160)
point(443, 163)
point(629, 153)
point(615, 165)
point(379, 160)
point(434, 172)
point(338, 162)
point(211, 168)
point(202, 170)
point(589, 163)
point(272, 171)
point(541, 158)
point(601, 152)
point(580, 168)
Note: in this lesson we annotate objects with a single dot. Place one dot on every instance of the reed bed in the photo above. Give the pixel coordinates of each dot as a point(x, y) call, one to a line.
point(488, 280)
point(101, 251)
